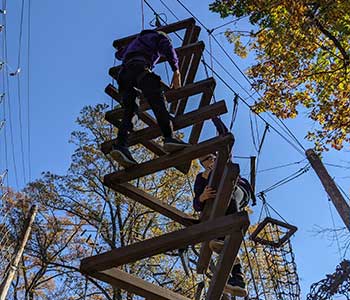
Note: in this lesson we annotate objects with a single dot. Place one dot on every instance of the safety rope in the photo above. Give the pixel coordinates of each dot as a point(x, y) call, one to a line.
point(142, 15)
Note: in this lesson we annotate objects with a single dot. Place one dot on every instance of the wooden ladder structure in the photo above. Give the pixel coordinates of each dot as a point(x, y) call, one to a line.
point(213, 222)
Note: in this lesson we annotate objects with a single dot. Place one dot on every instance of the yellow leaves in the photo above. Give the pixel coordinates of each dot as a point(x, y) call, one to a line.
point(240, 50)
point(297, 63)
point(235, 39)
point(259, 107)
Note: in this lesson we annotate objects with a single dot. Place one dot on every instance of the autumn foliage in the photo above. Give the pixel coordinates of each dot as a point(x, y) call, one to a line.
point(302, 51)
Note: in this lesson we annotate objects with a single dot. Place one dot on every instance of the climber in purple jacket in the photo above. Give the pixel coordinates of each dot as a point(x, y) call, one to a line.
point(240, 198)
point(139, 58)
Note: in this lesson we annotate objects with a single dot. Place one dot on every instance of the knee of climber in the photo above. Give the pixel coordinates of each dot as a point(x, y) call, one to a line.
point(150, 86)
point(128, 100)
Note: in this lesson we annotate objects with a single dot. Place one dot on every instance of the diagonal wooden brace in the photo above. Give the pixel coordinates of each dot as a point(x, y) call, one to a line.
point(218, 208)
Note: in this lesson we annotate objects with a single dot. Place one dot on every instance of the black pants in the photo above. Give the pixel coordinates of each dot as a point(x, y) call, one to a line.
point(134, 75)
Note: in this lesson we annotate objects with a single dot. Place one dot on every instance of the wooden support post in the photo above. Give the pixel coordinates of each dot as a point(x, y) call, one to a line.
point(185, 63)
point(191, 35)
point(161, 244)
point(189, 79)
point(197, 128)
point(225, 264)
point(215, 177)
point(199, 291)
point(331, 188)
point(148, 200)
point(5, 285)
point(218, 208)
point(171, 160)
point(132, 284)
point(253, 172)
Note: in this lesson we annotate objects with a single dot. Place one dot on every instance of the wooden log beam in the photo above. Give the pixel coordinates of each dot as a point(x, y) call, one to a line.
point(197, 128)
point(180, 122)
point(183, 24)
point(147, 119)
point(214, 181)
point(185, 60)
point(113, 92)
point(174, 95)
point(189, 79)
point(191, 35)
point(167, 161)
point(219, 207)
point(343, 208)
point(134, 285)
point(153, 203)
point(167, 242)
point(186, 65)
point(225, 264)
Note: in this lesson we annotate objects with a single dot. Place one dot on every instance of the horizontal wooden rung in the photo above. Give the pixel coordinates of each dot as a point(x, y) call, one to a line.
point(172, 95)
point(183, 24)
point(174, 240)
point(170, 160)
point(183, 121)
point(134, 285)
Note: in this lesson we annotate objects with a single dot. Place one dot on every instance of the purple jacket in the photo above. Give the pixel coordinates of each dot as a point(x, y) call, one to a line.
point(151, 45)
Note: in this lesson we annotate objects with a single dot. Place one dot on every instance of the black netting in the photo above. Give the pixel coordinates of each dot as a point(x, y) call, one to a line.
point(273, 275)
point(334, 284)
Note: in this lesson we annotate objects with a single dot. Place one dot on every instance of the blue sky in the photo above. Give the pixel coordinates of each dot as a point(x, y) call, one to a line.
point(71, 52)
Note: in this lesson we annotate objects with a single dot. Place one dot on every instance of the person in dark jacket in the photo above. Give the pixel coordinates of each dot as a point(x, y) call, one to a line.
point(240, 198)
point(139, 58)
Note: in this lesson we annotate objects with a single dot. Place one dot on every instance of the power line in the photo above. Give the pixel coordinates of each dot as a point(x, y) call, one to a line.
point(341, 189)
point(3, 100)
point(287, 179)
point(334, 231)
point(337, 166)
point(28, 92)
point(234, 63)
point(167, 7)
point(259, 116)
point(9, 98)
point(281, 166)
point(227, 85)
point(19, 89)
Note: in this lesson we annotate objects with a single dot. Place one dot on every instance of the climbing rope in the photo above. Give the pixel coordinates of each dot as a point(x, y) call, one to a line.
point(142, 15)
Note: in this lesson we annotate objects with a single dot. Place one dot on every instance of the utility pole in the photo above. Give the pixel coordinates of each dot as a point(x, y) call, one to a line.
point(5, 285)
point(331, 188)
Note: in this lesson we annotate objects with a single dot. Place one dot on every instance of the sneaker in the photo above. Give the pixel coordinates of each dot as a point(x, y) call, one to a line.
point(172, 144)
point(122, 155)
point(236, 287)
point(226, 296)
point(216, 245)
